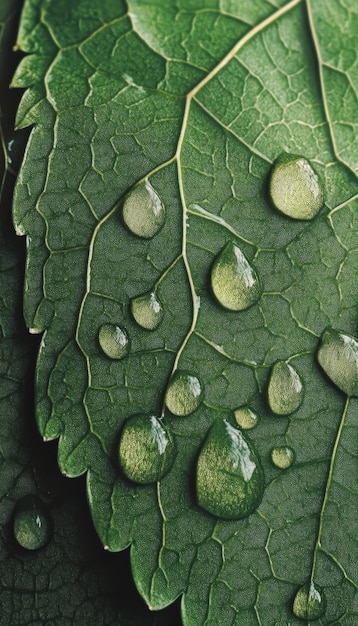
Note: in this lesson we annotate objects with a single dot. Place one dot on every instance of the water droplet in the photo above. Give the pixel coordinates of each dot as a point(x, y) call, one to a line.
point(338, 356)
point(229, 477)
point(295, 188)
point(309, 602)
point(245, 418)
point(32, 523)
point(146, 449)
point(114, 341)
point(147, 310)
point(143, 211)
point(184, 393)
point(234, 281)
point(285, 389)
point(282, 456)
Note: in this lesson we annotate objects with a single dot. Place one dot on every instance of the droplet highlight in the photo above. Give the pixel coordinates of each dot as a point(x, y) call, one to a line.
point(282, 457)
point(285, 389)
point(147, 310)
point(229, 477)
point(184, 394)
point(32, 523)
point(234, 281)
point(295, 188)
point(143, 211)
point(338, 356)
point(114, 341)
point(309, 602)
point(146, 449)
point(245, 418)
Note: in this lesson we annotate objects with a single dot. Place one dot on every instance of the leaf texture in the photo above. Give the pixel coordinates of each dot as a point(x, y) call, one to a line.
point(197, 100)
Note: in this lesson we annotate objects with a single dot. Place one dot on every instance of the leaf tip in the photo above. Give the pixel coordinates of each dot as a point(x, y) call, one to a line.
point(20, 232)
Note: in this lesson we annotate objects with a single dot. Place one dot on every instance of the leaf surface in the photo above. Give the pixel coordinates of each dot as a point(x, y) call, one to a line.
point(196, 101)
point(70, 580)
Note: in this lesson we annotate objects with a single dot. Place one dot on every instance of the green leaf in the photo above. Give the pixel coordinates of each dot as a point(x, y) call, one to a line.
point(70, 580)
point(186, 107)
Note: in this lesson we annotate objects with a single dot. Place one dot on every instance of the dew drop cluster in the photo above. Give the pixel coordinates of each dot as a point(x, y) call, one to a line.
point(229, 478)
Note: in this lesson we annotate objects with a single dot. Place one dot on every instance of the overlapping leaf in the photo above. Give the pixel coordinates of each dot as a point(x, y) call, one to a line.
point(198, 100)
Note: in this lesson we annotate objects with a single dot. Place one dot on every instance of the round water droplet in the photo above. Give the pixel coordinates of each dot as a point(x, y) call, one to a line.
point(245, 418)
point(234, 281)
point(32, 523)
point(338, 356)
point(282, 456)
point(143, 211)
point(295, 188)
point(114, 341)
point(146, 449)
point(229, 477)
point(285, 389)
point(147, 310)
point(309, 602)
point(184, 393)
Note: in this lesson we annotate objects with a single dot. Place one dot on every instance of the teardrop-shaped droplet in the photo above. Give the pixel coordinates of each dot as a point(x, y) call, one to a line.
point(147, 310)
point(282, 456)
point(32, 523)
point(229, 477)
point(146, 449)
point(245, 418)
point(184, 393)
point(114, 341)
point(234, 281)
point(295, 188)
point(309, 603)
point(285, 389)
point(338, 356)
point(143, 211)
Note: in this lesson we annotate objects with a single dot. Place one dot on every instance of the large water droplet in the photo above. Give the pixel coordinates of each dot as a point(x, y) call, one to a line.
point(295, 188)
point(234, 281)
point(285, 389)
point(143, 211)
point(32, 523)
point(114, 341)
point(146, 449)
point(282, 456)
point(245, 418)
point(309, 602)
point(184, 393)
point(338, 356)
point(229, 477)
point(147, 310)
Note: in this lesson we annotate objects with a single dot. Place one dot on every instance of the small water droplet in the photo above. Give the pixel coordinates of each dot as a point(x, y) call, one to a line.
point(32, 523)
point(229, 477)
point(146, 449)
point(285, 389)
point(338, 356)
point(295, 188)
point(245, 418)
point(147, 310)
point(234, 281)
point(309, 602)
point(184, 393)
point(282, 456)
point(143, 211)
point(114, 341)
